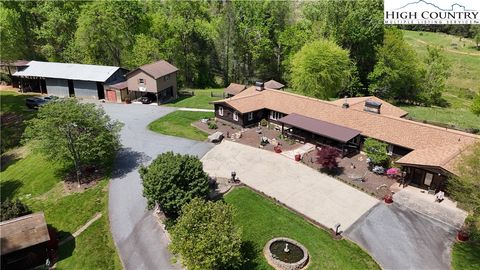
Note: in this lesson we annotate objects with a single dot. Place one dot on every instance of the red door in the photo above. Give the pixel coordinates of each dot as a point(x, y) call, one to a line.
point(111, 95)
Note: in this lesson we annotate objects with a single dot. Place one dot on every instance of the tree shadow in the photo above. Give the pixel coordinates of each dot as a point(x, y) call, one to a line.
point(6, 160)
point(8, 188)
point(332, 172)
point(127, 161)
point(250, 253)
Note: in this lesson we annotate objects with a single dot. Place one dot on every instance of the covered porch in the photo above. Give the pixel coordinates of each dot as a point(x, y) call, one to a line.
point(321, 133)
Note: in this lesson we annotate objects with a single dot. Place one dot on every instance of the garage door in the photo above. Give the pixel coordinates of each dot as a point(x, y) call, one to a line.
point(57, 87)
point(111, 95)
point(85, 89)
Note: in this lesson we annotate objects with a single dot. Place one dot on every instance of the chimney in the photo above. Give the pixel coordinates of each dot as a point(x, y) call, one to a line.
point(345, 103)
point(372, 106)
point(259, 86)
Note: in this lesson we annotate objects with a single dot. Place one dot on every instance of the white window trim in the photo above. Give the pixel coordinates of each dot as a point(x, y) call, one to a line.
point(220, 110)
point(250, 116)
point(274, 115)
point(235, 116)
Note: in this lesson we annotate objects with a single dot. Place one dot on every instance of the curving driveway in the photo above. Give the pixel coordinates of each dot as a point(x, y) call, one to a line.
point(141, 241)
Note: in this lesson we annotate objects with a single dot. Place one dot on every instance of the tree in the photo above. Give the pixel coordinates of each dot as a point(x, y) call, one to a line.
point(475, 107)
point(206, 237)
point(396, 74)
point(11, 34)
point(321, 69)
point(69, 131)
point(475, 32)
point(146, 50)
point(173, 180)
point(376, 151)
point(435, 74)
point(327, 157)
point(13, 209)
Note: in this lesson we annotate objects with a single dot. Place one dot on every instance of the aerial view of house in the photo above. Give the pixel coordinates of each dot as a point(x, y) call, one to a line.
point(233, 134)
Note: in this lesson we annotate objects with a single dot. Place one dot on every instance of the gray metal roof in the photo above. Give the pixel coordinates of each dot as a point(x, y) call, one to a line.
point(67, 71)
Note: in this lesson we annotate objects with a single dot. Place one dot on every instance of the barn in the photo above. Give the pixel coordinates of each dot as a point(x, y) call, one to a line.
point(68, 79)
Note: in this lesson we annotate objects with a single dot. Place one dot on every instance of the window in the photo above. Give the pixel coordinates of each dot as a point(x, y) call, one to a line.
point(220, 110)
point(141, 81)
point(167, 77)
point(275, 115)
point(250, 116)
point(235, 116)
point(390, 149)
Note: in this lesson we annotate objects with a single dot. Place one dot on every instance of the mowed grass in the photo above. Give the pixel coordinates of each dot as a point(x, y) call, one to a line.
point(462, 85)
point(200, 100)
point(261, 220)
point(37, 181)
point(466, 256)
point(13, 101)
point(179, 124)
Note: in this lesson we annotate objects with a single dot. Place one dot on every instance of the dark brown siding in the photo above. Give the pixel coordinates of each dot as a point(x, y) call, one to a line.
point(228, 114)
point(257, 117)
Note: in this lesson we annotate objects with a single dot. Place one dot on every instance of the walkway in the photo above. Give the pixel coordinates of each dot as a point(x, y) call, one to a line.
point(315, 195)
point(195, 110)
point(141, 242)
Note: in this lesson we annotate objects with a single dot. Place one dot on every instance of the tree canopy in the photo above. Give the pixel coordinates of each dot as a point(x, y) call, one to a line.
point(172, 180)
point(321, 69)
point(11, 34)
point(78, 133)
point(13, 209)
point(376, 151)
point(206, 237)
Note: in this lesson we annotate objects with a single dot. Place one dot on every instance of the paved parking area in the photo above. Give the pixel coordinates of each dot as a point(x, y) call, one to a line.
point(315, 195)
point(401, 238)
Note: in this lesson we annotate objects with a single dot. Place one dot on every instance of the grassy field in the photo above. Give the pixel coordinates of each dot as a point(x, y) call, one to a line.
point(465, 256)
point(262, 220)
point(200, 100)
point(178, 124)
point(463, 83)
point(37, 182)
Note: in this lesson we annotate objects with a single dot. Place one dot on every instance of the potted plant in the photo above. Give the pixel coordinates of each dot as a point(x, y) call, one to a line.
point(388, 199)
point(464, 233)
point(277, 149)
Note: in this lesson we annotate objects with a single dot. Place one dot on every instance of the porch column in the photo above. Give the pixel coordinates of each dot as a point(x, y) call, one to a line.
point(283, 126)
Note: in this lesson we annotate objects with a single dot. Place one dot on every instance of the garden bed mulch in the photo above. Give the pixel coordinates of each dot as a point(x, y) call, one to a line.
point(90, 177)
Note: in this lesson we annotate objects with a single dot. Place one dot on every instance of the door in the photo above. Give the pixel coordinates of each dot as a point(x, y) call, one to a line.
point(428, 179)
point(111, 95)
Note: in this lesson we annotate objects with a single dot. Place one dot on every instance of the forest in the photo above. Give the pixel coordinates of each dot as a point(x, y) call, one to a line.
point(324, 49)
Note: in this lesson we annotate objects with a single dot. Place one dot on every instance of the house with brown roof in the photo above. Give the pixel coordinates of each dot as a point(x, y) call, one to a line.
point(272, 84)
point(234, 89)
point(24, 242)
point(157, 80)
point(427, 153)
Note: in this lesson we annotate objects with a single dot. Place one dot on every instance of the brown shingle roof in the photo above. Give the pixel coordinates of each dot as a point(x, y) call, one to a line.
point(272, 84)
point(391, 129)
point(156, 69)
point(357, 103)
point(23, 232)
point(234, 88)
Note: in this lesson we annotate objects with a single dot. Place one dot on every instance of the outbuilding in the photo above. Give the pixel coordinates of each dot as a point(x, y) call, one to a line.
point(68, 79)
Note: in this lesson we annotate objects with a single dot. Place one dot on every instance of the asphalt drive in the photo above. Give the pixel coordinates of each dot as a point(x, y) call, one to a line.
point(141, 242)
point(401, 238)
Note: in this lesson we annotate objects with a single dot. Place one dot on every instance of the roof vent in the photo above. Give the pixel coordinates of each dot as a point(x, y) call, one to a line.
point(372, 106)
point(259, 86)
point(345, 103)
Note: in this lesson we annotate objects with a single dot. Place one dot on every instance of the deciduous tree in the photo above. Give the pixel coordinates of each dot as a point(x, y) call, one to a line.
point(69, 131)
point(11, 34)
point(13, 209)
point(327, 157)
point(173, 180)
point(376, 151)
point(321, 69)
point(206, 237)
point(435, 74)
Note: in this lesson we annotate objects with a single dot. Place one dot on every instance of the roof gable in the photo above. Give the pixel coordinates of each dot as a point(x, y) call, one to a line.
point(155, 70)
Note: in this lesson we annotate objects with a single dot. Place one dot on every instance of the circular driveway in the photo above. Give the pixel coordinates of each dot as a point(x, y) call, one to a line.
point(141, 242)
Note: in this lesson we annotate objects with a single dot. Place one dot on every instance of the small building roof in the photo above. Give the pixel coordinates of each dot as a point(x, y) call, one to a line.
point(357, 103)
point(118, 85)
point(319, 127)
point(156, 70)
point(23, 232)
point(234, 88)
point(18, 63)
point(67, 71)
point(272, 84)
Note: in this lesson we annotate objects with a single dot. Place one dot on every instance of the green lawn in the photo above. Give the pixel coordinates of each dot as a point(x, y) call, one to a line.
point(178, 124)
point(466, 256)
point(262, 220)
point(200, 100)
point(37, 182)
point(461, 86)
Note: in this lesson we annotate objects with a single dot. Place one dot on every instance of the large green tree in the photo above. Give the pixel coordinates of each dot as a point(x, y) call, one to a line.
point(173, 180)
point(435, 73)
point(397, 73)
point(321, 69)
point(146, 50)
point(376, 151)
point(206, 237)
point(11, 35)
point(78, 133)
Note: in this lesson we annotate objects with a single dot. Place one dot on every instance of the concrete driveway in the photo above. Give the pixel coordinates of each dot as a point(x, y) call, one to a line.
point(141, 241)
point(315, 195)
point(401, 238)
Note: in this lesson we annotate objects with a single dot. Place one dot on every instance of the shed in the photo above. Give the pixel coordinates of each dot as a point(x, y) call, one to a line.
point(272, 84)
point(69, 79)
point(234, 89)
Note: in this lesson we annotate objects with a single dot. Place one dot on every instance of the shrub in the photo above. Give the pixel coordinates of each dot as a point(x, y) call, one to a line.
point(376, 151)
point(264, 122)
point(173, 180)
point(327, 157)
point(212, 125)
point(206, 236)
point(13, 209)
